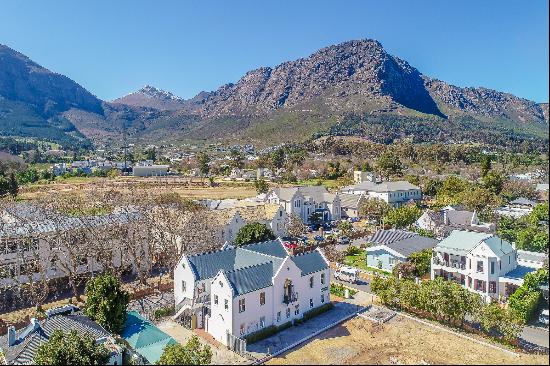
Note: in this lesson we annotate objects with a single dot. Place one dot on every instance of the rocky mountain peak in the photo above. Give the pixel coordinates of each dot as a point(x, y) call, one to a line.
point(151, 97)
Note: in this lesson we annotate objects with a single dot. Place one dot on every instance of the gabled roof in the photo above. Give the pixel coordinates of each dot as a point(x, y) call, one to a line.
point(413, 244)
point(461, 242)
point(207, 265)
point(523, 202)
point(251, 278)
point(310, 262)
point(24, 350)
point(350, 200)
point(389, 236)
point(317, 193)
point(383, 187)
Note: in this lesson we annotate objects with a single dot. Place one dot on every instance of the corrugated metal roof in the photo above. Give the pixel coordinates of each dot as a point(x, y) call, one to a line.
point(461, 242)
point(310, 262)
point(412, 244)
point(251, 278)
point(389, 236)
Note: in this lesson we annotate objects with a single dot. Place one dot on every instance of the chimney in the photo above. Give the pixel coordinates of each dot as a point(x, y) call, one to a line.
point(11, 336)
point(35, 324)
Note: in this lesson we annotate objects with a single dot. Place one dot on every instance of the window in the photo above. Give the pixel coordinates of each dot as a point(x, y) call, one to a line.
point(311, 282)
point(215, 299)
point(322, 278)
point(183, 286)
point(262, 298)
point(183, 265)
point(492, 267)
point(226, 304)
point(492, 287)
point(288, 312)
point(278, 316)
point(262, 321)
point(310, 303)
point(479, 266)
point(322, 298)
point(221, 283)
point(242, 328)
point(242, 306)
point(509, 259)
point(297, 310)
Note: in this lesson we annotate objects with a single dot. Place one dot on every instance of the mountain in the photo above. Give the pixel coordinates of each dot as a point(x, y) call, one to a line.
point(353, 88)
point(152, 97)
point(32, 98)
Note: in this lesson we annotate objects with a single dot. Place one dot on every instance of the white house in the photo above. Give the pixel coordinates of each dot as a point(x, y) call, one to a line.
point(149, 170)
point(350, 204)
point(241, 290)
point(394, 193)
point(450, 218)
point(306, 200)
point(481, 262)
point(517, 208)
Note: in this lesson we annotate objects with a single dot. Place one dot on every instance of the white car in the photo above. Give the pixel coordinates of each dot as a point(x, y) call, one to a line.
point(347, 274)
point(543, 317)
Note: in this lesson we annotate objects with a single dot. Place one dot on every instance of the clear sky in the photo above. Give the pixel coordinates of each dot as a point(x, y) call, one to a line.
point(115, 47)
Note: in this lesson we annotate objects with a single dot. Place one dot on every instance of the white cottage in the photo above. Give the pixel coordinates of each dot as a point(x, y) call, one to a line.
point(242, 290)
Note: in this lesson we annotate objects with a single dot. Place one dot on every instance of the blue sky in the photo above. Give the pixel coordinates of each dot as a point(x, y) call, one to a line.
point(115, 47)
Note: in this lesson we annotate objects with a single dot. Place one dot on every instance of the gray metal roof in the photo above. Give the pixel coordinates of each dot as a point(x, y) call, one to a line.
point(310, 262)
point(523, 202)
point(251, 278)
point(461, 242)
point(207, 265)
point(412, 244)
point(350, 200)
point(389, 236)
point(24, 350)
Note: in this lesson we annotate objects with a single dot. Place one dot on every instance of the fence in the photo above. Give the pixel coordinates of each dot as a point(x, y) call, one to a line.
point(236, 344)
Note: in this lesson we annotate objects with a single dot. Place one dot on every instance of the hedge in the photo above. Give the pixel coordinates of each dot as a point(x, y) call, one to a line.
point(266, 332)
point(319, 310)
point(524, 303)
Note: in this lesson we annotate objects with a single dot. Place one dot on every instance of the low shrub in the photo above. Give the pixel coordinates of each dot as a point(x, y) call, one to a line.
point(266, 332)
point(164, 312)
point(524, 303)
point(339, 290)
point(319, 310)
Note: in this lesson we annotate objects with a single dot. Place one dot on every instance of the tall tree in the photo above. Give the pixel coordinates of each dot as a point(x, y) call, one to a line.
point(71, 349)
point(204, 160)
point(13, 185)
point(253, 233)
point(389, 164)
point(193, 353)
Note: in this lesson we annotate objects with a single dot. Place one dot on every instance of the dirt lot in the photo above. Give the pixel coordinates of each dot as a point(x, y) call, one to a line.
point(401, 341)
point(193, 189)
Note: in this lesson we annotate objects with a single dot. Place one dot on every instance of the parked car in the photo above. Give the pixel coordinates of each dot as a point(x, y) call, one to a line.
point(543, 317)
point(347, 274)
point(344, 240)
point(290, 245)
point(318, 238)
point(313, 227)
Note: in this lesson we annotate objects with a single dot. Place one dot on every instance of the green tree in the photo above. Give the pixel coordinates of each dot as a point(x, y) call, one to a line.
point(432, 186)
point(71, 348)
point(151, 154)
point(4, 186)
point(236, 159)
point(193, 353)
point(389, 164)
point(277, 158)
point(422, 262)
point(402, 217)
point(485, 165)
point(13, 185)
point(345, 227)
point(203, 160)
point(253, 233)
point(106, 302)
point(261, 186)
point(493, 181)
point(373, 209)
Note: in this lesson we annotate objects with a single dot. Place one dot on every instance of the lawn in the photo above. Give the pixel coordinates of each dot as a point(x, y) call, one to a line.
point(356, 260)
point(328, 183)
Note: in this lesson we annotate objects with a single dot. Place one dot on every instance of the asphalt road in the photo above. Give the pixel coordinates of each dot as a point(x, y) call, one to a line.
point(362, 285)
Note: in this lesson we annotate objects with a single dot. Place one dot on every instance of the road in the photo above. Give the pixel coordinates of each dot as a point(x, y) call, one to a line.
point(362, 285)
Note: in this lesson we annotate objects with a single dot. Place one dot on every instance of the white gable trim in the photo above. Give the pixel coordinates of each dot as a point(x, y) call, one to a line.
point(387, 249)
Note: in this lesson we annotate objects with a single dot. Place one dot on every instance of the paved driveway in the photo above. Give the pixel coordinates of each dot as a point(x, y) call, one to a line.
point(535, 335)
point(361, 285)
point(294, 334)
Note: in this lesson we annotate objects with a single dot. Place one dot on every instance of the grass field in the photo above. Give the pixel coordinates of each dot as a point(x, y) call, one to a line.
point(400, 341)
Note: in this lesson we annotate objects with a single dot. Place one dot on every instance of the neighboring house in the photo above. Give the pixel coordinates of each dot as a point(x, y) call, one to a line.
point(306, 200)
point(395, 193)
point(517, 208)
point(20, 347)
point(444, 221)
point(350, 203)
point(360, 176)
point(241, 290)
point(26, 245)
point(150, 170)
point(481, 262)
point(387, 248)
point(226, 218)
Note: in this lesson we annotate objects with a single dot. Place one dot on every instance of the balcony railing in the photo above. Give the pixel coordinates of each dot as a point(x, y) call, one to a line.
point(452, 264)
point(290, 298)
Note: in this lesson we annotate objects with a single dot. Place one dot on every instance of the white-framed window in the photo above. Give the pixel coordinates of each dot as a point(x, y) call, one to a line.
point(241, 329)
point(288, 312)
point(479, 266)
point(242, 305)
point(262, 298)
point(322, 278)
point(226, 304)
point(322, 298)
point(262, 321)
point(310, 303)
point(278, 316)
point(215, 299)
point(183, 286)
point(311, 279)
point(297, 310)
